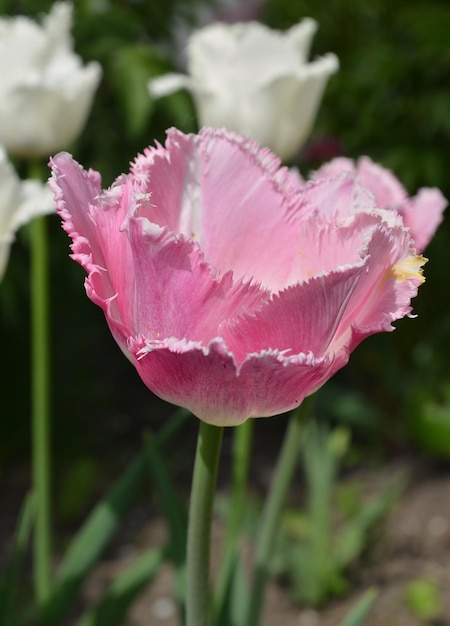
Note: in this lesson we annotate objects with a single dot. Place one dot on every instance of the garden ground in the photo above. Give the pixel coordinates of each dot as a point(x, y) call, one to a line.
point(413, 543)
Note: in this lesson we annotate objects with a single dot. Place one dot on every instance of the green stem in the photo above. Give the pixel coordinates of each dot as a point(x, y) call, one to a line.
point(40, 407)
point(281, 480)
point(199, 528)
point(242, 442)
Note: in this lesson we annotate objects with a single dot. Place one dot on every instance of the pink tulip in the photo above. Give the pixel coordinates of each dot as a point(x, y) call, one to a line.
point(421, 214)
point(235, 290)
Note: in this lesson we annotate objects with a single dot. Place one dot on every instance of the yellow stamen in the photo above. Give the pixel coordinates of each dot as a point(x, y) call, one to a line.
point(409, 268)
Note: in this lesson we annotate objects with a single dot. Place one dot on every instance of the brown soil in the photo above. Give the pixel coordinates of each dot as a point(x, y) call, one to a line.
point(414, 543)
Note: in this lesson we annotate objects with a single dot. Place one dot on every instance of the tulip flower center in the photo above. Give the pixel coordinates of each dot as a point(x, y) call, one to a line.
point(409, 268)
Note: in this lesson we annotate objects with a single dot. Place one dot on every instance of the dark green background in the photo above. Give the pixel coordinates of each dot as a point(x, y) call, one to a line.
point(390, 100)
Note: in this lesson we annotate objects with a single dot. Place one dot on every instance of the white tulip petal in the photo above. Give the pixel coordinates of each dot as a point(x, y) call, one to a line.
point(20, 201)
point(167, 84)
point(45, 91)
point(300, 37)
point(254, 80)
point(35, 199)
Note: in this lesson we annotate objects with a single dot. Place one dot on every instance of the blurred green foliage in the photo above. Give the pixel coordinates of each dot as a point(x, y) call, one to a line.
point(317, 545)
point(389, 100)
point(422, 596)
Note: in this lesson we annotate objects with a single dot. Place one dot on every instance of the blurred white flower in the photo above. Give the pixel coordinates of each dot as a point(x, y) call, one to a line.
point(45, 92)
point(192, 16)
point(254, 80)
point(20, 201)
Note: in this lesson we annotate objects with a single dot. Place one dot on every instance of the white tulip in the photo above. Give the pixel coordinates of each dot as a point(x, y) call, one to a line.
point(20, 201)
point(45, 92)
point(189, 18)
point(254, 80)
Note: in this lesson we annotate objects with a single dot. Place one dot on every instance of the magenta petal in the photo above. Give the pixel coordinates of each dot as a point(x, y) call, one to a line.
point(336, 196)
point(301, 319)
point(237, 289)
point(74, 190)
point(388, 191)
point(93, 220)
point(227, 193)
point(332, 312)
point(423, 214)
point(383, 293)
point(185, 298)
point(207, 381)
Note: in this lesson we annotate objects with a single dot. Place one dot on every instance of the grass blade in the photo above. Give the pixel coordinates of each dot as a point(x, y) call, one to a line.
point(96, 533)
point(10, 585)
point(113, 608)
point(175, 514)
point(92, 539)
point(361, 609)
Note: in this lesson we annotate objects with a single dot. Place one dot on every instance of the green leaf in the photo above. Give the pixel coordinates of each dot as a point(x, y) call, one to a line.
point(10, 584)
point(322, 451)
point(233, 609)
point(131, 68)
point(175, 514)
point(361, 609)
point(90, 542)
point(351, 540)
point(96, 533)
point(429, 419)
point(77, 486)
point(113, 608)
point(174, 510)
point(423, 598)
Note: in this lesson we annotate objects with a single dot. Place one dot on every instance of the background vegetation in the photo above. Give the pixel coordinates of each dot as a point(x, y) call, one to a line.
point(390, 100)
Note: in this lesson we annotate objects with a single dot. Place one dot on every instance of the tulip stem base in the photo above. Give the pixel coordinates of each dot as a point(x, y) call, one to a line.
point(199, 529)
point(271, 514)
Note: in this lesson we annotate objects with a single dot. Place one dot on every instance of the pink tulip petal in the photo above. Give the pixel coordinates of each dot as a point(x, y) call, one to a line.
point(336, 197)
point(388, 191)
point(290, 323)
point(228, 194)
point(423, 214)
point(324, 245)
point(146, 250)
point(75, 189)
point(207, 381)
point(237, 289)
point(349, 302)
point(93, 220)
point(383, 293)
point(185, 298)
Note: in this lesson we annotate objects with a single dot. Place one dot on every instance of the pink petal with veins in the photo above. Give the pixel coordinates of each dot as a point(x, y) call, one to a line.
point(421, 214)
point(234, 287)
